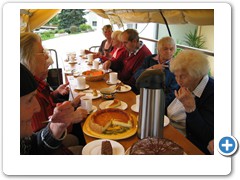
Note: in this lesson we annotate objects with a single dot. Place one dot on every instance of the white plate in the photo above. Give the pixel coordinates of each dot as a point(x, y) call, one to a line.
point(166, 121)
point(118, 81)
point(94, 147)
point(89, 93)
point(68, 71)
point(134, 108)
point(124, 88)
point(105, 103)
point(94, 109)
point(86, 87)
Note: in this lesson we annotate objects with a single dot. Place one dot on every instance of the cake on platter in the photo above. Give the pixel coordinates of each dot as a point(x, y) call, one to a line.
point(156, 146)
point(110, 121)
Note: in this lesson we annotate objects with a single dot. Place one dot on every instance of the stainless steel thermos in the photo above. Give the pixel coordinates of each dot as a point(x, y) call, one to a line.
point(152, 103)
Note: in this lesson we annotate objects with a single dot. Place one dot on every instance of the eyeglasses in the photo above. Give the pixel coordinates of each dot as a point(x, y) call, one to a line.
point(45, 53)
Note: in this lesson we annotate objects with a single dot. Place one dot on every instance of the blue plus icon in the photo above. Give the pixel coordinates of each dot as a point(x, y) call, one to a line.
point(227, 145)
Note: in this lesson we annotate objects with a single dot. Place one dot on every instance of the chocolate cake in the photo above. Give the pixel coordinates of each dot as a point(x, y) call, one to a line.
point(106, 148)
point(156, 146)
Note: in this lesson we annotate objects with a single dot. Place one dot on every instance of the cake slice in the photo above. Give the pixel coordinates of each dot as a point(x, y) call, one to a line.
point(114, 104)
point(106, 148)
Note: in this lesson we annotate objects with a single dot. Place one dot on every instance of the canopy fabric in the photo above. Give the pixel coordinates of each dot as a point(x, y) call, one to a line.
point(35, 18)
point(181, 16)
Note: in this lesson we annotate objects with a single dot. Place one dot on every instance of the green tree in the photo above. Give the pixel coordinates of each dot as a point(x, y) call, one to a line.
point(71, 17)
point(53, 22)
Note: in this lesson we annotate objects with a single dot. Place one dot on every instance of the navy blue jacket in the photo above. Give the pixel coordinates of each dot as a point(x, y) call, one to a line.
point(170, 82)
point(200, 123)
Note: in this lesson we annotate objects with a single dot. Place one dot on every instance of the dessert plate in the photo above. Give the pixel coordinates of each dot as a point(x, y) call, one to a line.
point(103, 105)
point(123, 88)
point(90, 93)
point(134, 108)
point(94, 147)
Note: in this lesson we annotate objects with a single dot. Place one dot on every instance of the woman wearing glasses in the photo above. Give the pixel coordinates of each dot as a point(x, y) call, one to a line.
point(35, 59)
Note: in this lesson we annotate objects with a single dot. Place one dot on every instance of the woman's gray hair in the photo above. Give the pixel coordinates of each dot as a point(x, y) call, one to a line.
point(193, 62)
point(166, 40)
point(28, 42)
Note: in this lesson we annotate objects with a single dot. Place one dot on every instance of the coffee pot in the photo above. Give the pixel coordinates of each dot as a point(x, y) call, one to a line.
point(152, 103)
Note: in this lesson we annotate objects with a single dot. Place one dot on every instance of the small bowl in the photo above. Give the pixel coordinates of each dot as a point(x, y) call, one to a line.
point(108, 93)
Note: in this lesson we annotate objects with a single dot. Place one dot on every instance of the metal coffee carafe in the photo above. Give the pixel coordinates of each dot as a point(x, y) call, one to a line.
point(152, 103)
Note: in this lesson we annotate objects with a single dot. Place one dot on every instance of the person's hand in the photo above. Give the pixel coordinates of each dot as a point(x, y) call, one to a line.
point(186, 98)
point(106, 65)
point(63, 89)
point(64, 113)
point(76, 101)
point(211, 146)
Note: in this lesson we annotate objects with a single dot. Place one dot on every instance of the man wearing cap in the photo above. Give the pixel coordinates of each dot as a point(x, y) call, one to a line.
point(49, 139)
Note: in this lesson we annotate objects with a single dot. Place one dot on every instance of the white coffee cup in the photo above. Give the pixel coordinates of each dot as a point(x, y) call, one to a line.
point(95, 64)
point(81, 82)
point(86, 103)
point(90, 58)
point(137, 102)
point(113, 77)
point(72, 56)
point(82, 52)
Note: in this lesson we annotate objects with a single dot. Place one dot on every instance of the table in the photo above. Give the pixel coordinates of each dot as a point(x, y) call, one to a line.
point(169, 131)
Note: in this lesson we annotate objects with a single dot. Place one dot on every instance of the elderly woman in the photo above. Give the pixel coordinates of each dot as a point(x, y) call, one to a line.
point(106, 45)
point(35, 59)
point(117, 54)
point(166, 48)
point(193, 106)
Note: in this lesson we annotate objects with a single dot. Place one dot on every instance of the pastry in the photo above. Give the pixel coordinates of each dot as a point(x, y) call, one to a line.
point(114, 104)
point(156, 146)
point(94, 92)
point(110, 121)
point(106, 148)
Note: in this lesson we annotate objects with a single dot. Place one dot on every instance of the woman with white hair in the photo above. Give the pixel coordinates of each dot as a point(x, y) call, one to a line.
point(193, 107)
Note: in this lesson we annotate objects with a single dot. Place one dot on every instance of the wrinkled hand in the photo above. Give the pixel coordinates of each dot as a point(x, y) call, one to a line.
point(106, 65)
point(76, 101)
point(64, 113)
point(63, 89)
point(186, 98)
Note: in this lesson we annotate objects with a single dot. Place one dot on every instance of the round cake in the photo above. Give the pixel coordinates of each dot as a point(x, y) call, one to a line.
point(110, 119)
point(156, 146)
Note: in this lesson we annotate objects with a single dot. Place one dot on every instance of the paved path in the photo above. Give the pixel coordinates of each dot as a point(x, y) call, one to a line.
point(70, 43)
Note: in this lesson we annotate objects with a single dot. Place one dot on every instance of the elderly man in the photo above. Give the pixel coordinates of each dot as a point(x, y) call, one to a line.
point(128, 66)
point(166, 48)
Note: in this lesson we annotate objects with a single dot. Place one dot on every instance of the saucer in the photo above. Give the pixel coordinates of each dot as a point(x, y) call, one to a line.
point(86, 87)
point(94, 109)
point(72, 62)
point(134, 108)
point(109, 83)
